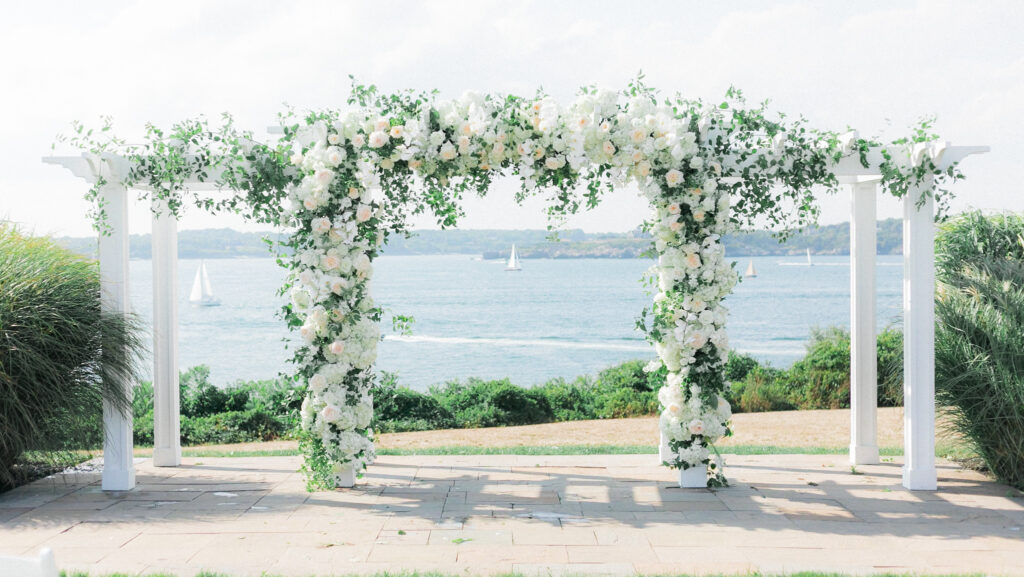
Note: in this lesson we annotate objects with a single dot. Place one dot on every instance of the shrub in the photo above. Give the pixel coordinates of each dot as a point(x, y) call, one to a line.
point(979, 345)
point(231, 427)
point(738, 365)
point(763, 389)
point(199, 397)
point(821, 380)
point(399, 409)
point(60, 355)
point(631, 375)
point(518, 406)
point(573, 401)
point(625, 403)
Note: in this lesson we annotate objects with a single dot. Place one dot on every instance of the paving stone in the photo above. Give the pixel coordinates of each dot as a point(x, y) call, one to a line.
point(489, 514)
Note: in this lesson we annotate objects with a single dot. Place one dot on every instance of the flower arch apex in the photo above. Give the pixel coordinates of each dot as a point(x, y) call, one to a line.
point(357, 173)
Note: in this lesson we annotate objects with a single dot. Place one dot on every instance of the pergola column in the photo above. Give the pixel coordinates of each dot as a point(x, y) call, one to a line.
point(118, 464)
point(919, 340)
point(166, 397)
point(863, 338)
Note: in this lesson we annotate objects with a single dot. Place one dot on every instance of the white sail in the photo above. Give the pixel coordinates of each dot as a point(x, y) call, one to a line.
point(513, 260)
point(202, 293)
point(809, 263)
point(197, 287)
point(751, 271)
point(207, 291)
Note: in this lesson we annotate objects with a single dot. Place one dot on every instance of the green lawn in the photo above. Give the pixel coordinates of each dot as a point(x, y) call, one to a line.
point(431, 574)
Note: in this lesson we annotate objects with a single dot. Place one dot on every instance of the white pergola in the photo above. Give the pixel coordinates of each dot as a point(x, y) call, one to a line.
point(862, 182)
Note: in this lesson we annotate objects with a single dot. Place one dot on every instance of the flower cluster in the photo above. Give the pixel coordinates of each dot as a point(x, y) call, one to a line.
point(351, 167)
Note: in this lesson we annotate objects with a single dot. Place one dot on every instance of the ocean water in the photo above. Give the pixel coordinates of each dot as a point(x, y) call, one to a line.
point(554, 318)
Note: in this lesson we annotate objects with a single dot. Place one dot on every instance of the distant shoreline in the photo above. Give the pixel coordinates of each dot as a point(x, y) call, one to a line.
point(530, 244)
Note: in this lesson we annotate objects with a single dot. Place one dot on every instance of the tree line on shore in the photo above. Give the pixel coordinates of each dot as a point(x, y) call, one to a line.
point(491, 244)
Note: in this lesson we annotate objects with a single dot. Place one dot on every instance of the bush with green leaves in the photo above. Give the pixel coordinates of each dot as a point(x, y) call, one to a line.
point(60, 354)
point(979, 340)
point(246, 411)
point(819, 380)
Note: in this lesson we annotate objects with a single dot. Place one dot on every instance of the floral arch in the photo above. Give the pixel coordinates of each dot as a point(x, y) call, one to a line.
point(343, 181)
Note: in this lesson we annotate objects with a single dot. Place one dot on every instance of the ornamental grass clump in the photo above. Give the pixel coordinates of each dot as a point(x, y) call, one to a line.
point(60, 355)
point(979, 341)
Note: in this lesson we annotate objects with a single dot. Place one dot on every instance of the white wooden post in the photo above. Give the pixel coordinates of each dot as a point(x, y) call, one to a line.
point(919, 340)
point(166, 400)
point(118, 464)
point(863, 340)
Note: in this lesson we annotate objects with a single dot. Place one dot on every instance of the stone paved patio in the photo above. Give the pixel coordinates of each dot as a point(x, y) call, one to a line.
point(493, 514)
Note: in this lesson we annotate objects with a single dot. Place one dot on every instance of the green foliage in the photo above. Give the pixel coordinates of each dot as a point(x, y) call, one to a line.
point(820, 380)
point(979, 341)
point(403, 409)
point(241, 412)
point(738, 366)
point(763, 389)
point(60, 354)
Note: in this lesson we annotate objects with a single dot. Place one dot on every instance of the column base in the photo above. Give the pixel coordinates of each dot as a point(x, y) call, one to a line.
point(166, 456)
point(345, 477)
point(118, 479)
point(920, 479)
point(694, 477)
point(864, 455)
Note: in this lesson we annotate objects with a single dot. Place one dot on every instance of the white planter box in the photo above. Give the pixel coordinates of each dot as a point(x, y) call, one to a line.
point(694, 477)
point(346, 477)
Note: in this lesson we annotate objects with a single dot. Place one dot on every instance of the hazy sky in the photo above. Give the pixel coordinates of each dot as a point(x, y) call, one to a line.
point(875, 66)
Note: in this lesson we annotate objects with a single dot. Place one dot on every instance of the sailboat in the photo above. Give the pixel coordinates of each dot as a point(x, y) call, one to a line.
point(513, 261)
point(751, 271)
point(202, 294)
point(809, 263)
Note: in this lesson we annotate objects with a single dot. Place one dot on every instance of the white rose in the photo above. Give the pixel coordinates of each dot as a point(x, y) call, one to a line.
point(330, 262)
point(397, 131)
point(674, 177)
point(448, 151)
point(335, 155)
point(643, 168)
point(361, 262)
point(317, 383)
point(324, 176)
point(321, 225)
point(378, 139)
point(698, 215)
point(363, 212)
point(337, 347)
point(696, 427)
point(358, 140)
point(554, 162)
point(330, 413)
